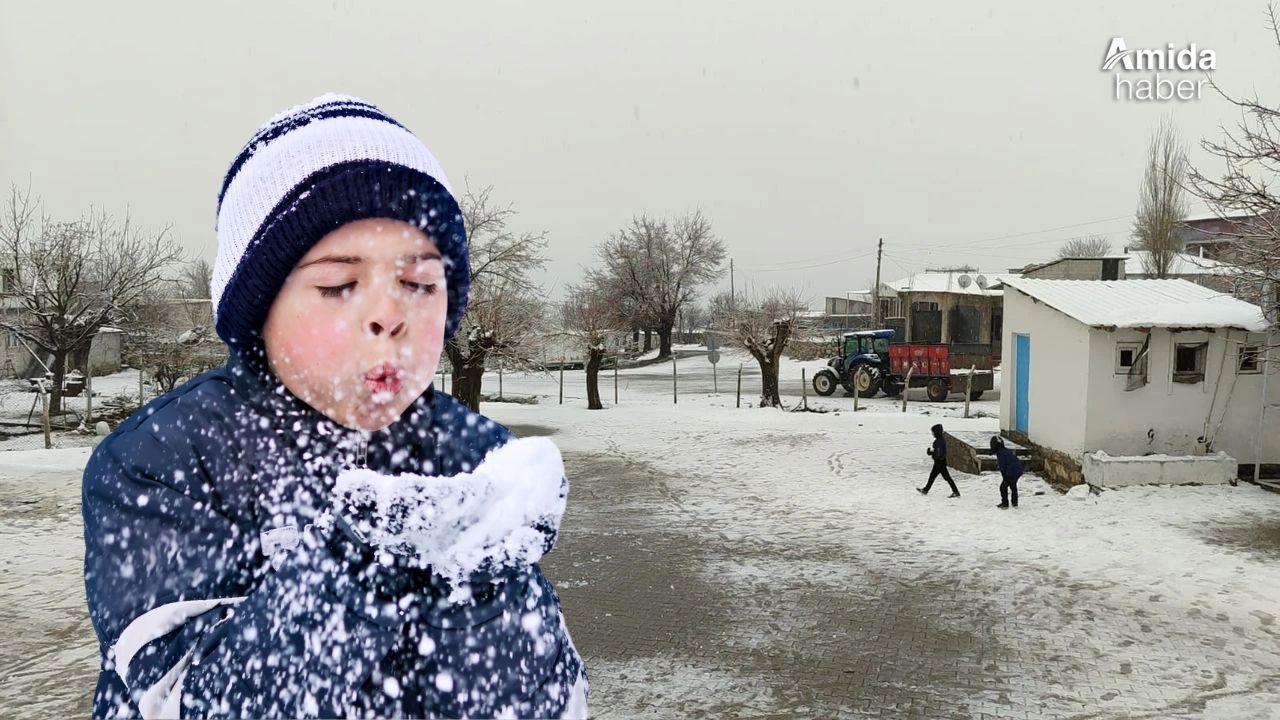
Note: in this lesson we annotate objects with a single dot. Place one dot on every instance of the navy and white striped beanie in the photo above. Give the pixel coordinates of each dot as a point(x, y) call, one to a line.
point(312, 169)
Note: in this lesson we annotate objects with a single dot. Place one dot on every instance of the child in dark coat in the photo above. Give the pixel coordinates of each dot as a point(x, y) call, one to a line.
point(939, 454)
point(1010, 470)
point(315, 530)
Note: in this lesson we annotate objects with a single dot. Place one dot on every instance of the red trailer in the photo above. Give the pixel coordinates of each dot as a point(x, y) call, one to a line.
point(940, 368)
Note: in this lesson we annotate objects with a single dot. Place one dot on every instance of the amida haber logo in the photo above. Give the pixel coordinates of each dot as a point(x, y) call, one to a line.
point(1158, 74)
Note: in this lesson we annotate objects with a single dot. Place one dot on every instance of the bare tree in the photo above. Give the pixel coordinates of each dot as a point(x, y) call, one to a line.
point(197, 276)
point(763, 325)
point(1162, 201)
point(1089, 246)
point(693, 318)
point(655, 267)
point(591, 318)
point(505, 313)
point(171, 337)
point(1245, 192)
point(71, 278)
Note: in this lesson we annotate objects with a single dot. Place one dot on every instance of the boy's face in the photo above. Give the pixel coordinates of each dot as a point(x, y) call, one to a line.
point(357, 330)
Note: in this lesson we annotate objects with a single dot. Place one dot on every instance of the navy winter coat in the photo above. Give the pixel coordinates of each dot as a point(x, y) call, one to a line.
point(1009, 464)
point(213, 594)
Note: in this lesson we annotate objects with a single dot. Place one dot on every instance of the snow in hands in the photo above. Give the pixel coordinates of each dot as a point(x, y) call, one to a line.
point(504, 514)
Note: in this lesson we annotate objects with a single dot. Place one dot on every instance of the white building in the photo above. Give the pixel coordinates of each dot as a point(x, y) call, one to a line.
point(1139, 367)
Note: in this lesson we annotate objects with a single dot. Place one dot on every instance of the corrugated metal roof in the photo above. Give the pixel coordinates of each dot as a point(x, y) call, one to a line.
point(1174, 304)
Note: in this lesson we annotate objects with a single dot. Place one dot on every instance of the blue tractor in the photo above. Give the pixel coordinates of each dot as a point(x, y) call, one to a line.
point(862, 367)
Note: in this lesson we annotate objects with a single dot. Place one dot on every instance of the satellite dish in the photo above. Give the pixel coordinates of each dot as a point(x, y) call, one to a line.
point(964, 281)
point(982, 281)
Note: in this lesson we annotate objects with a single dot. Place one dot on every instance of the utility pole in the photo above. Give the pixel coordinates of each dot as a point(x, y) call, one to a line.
point(731, 293)
point(875, 292)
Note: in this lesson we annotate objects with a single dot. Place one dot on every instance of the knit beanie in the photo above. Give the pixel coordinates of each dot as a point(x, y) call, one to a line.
point(308, 171)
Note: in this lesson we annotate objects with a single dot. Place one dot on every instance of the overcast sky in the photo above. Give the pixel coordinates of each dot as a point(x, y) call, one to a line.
point(961, 132)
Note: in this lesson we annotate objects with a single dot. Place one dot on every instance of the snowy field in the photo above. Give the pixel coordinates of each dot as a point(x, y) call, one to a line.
point(717, 561)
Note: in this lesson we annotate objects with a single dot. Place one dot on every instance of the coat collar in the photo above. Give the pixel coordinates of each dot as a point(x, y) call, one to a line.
point(262, 392)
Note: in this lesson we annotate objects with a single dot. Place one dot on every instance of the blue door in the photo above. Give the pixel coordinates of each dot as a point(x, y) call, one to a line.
point(1021, 381)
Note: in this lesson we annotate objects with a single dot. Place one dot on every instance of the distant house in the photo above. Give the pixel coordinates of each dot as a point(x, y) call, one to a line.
point(1102, 267)
point(1212, 236)
point(1137, 368)
point(949, 306)
point(854, 303)
point(1135, 265)
point(840, 315)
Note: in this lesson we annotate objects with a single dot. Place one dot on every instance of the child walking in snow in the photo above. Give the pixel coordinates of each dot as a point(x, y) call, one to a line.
point(314, 530)
point(939, 454)
point(1010, 470)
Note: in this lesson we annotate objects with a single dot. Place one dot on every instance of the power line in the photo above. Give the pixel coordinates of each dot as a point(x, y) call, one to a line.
point(809, 263)
point(825, 263)
point(998, 238)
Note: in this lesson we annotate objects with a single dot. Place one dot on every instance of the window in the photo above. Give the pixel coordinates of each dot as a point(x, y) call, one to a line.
point(1126, 356)
point(8, 280)
point(917, 306)
point(1249, 358)
point(1188, 362)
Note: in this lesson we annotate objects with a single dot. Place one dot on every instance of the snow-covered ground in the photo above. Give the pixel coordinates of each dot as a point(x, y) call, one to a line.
point(816, 581)
point(1155, 600)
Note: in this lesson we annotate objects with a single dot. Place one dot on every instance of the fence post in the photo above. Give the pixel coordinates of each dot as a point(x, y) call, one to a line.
point(88, 387)
point(615, 379)
point(499, 383)
point(804, 388)
point(561, 380)
point(855, 400)
point(968, 389)
point(675, 399)
point(739, 384)
point(44, 422)
point(141, 399)
point(907, 387)
point(715, 379)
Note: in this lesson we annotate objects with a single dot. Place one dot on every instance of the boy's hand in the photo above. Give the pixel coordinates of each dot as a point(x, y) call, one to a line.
point(505, 514)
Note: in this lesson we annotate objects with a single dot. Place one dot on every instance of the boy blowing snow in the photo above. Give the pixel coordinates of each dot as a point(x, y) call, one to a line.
point(314, 530)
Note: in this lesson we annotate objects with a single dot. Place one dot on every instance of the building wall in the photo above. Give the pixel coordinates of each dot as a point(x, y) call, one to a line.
point(104, 353)
point(1057, 408)
point(846, 306)
point(1073, 269)
point(1175, 418)
point(986, 305)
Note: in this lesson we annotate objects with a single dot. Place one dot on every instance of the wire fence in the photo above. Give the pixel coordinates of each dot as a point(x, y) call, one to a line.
point(29, 420)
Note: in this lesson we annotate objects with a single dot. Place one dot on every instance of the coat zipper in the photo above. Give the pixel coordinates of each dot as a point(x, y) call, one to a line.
point(362, 452)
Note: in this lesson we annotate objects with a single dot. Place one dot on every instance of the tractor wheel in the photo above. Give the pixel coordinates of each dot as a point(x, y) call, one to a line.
point(937, 390)
point(824, 383)
point(892, 389)
point(976, 394)
point(866, 381)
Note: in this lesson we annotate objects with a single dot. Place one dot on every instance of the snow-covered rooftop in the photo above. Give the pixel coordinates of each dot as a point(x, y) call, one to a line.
point(1174, 304)
point(979, 283)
